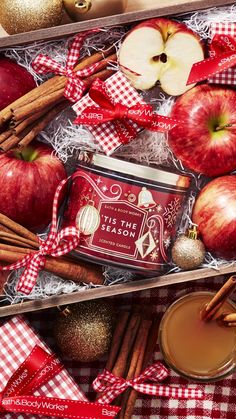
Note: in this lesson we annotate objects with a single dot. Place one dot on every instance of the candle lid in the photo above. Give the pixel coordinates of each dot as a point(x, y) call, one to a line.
point(140, 171)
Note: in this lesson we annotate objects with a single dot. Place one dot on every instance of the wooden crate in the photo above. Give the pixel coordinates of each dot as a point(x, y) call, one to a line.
point(151, 8)
point(155, 8)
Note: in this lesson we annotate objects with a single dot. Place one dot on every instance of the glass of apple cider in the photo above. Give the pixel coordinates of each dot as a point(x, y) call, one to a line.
point(198, 350)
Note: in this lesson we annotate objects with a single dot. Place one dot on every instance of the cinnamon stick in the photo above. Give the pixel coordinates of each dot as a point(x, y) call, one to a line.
point(17, 249)
point(5, 135)
point(41, 123)
point(18, 240)
point(39, 104)
point(117, 339)
point(135, 369)
point(18, 229)
point(228, 320)
point(61, 267)
point(120, 366)
point(51, 85)
point(13, 140)
point(22, 124)
point(152, 341)
point(218, 300)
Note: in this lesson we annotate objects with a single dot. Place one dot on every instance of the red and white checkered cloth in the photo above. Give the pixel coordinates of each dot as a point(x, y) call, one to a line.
point(121, 91)
point(227, 76)
point(220, 397)
point(17, 339)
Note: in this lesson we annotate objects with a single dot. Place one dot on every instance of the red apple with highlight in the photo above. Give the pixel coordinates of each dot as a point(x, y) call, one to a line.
point(215, 214)
point(205, 141)
point(28, 181)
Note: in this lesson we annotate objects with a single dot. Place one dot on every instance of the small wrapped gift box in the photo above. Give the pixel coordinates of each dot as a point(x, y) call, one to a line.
point(226, 30)
point(17, 340)
point(115, 113)
point(34, 382)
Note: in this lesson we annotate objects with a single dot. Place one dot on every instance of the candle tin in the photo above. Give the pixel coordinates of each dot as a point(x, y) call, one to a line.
point(127, 213)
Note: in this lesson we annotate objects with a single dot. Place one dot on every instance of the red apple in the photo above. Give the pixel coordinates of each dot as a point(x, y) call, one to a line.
point(28, 181)
point(160, 50)
point(215, 214)
point(15, 81)
point(206, 140)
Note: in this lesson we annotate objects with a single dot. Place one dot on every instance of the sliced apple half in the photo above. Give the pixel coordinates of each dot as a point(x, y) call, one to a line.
point(160, 50)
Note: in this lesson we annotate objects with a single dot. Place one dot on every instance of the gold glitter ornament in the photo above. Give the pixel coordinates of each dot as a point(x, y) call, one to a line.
point(84, 332)
point(92, 9)
point(18, 16)
point(188, 251)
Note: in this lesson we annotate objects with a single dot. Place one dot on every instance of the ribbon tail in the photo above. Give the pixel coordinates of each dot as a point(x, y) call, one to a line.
point(111, 393)
point(54, 407)
point(76, 46)
point(211, 66)
point(169, 391)
point(125, 131)
point(44, 65)
point(162, 123)
point(28, 279)
point(93, 115)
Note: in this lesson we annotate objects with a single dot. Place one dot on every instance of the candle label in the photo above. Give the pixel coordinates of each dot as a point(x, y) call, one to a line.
point(137, 219)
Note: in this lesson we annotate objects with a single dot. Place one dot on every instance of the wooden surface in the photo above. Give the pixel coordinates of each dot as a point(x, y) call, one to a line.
point(132, 286)
point(158, 8)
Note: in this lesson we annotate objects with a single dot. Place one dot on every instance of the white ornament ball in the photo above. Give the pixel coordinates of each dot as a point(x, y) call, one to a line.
point(88, 220)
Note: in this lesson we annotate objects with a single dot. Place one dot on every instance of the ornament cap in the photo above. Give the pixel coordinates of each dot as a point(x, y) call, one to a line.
point(192, 232)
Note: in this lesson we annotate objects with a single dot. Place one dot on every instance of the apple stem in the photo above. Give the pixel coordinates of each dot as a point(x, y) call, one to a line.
point(220, 127)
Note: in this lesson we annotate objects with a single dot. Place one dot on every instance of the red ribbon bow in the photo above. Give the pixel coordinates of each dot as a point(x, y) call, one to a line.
point(55, 245)
point(224, 56)
point(38, 368)
point(121, 115)
point(112, 386)
point(75, 86)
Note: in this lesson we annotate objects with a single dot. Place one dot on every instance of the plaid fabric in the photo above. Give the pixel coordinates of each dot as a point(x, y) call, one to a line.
point(121, 91)
point(17, 339)
point(55, 245)
point(220, 397)
point(75, 86)
point(227, 76)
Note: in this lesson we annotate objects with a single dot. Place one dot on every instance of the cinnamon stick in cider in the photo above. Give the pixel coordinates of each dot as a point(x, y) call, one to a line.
point(218, 300)
point(228, 319)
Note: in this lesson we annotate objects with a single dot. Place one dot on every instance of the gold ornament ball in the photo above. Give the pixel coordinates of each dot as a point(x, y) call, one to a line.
point(84, 334)
point(188, 253)
point(18, 16)
point(91, 9)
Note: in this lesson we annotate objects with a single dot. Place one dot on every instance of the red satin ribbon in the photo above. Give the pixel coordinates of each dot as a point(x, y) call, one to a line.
point(38, 368)
point(223, 57)
point(122, 115)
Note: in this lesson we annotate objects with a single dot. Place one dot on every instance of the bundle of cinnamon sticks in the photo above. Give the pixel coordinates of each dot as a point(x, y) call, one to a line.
point(22, 120)
point(132, 348)
point(16, 241)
